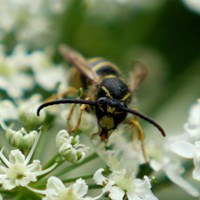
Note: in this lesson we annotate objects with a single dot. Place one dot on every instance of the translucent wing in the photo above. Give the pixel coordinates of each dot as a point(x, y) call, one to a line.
point(137, 75)
point(79, 62)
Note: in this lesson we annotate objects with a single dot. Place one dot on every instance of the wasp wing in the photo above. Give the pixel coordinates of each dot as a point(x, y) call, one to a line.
point(79, 62)
point(137, 75)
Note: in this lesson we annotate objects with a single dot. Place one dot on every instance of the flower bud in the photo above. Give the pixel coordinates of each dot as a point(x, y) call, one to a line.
point(70, 148)
point(21, 139)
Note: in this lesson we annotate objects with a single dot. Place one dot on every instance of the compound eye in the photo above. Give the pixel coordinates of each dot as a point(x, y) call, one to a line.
point(102, 101)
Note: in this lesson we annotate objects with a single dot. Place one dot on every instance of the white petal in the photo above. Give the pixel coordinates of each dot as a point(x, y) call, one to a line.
point(8, 184)
point(116, 193)
point(16, 156)
point(98, 177)
point(80, 187)
point(155, 165)
point(55, 184)
point(133, 195)
point(35, 166)
point(184, 149)
point(8, 110)
point(177, 179)
point(196, 171)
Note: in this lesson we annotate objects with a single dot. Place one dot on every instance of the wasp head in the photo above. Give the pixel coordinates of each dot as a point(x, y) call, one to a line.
point(113, 94)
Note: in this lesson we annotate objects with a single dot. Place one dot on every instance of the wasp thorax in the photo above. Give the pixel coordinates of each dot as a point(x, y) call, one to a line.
point(114, 88)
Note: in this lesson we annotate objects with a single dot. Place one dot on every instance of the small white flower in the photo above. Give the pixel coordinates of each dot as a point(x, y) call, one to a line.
point(120, 185)
point(70, 148)
point(23, 110)
point(27, 110)
point(165, 161)
point(25, 15)
point(7, 110)
point(13, 78)
point(40, 62)
point(192, 126)
point(56, 190)
point(17, 171)
point(188, 150)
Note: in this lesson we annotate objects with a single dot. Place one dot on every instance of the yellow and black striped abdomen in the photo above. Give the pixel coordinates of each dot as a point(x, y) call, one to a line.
point(112, 84)
point(103, 67)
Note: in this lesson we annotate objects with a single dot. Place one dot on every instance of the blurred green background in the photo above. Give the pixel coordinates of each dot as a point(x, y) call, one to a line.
point(165, 35)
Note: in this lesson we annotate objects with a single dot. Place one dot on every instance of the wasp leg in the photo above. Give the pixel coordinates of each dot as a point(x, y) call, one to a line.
point(71, 110)
point(135, 124)
point(64, 94)
point(82, 109)
point(69, 116)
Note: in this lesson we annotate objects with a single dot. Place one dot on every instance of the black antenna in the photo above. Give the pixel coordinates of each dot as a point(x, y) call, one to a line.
point(95, 103)
point(144, 117)
point(64, 101)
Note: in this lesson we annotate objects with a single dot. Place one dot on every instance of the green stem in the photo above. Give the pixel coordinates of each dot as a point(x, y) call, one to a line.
point(51, 161)
point(72, 167)
point(42, 181)
point(6, 192)
point(93, 186)
point(68, 180)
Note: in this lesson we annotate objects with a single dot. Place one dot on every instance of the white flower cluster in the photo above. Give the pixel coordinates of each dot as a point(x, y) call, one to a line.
point(120, 185)
point(19, 170)
point(123, 159)
point(16, 171)
point(186, 145)
point(24, 16)
point(189, 145)
point(56, 190)
point(14, 71)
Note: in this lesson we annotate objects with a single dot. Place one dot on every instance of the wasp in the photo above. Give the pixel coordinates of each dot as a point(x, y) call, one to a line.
point(105, 92)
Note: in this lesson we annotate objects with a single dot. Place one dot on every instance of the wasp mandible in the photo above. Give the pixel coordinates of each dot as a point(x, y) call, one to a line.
point(105, 92)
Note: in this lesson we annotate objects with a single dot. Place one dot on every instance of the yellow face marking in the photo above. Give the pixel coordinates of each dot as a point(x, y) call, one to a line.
point(106, 91)
point(126, 97)
point(101, 108)
point(107, 122)
point(110, 109)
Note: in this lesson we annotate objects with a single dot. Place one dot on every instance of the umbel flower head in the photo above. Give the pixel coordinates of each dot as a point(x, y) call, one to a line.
point(186, 145)
point(17, 169)
point(189, 146)
point(56, 190)
point(120, 185)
